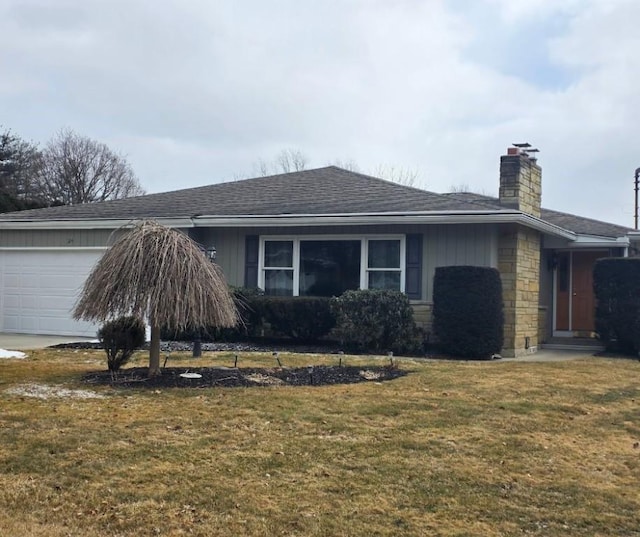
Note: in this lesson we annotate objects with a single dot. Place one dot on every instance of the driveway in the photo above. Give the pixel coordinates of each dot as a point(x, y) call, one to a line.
point(23, 342)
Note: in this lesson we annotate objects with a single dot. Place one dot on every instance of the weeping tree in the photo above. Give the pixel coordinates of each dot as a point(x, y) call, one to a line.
point(161, 275)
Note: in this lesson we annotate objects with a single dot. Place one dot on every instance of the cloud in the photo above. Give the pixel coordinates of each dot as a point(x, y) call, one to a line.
point(196, 92)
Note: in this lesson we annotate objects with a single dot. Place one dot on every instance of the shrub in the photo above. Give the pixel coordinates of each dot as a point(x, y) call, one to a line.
point(375, 321)
point(301, 318)
point(467, 311)
point(120, 338)
point(616, 283)
point(249, 325)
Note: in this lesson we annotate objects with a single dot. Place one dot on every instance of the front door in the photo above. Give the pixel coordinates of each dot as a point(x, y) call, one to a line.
point(574, 298)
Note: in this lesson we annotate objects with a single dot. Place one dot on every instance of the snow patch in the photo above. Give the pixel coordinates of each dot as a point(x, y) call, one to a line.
point(12, 354)
point(43, 391)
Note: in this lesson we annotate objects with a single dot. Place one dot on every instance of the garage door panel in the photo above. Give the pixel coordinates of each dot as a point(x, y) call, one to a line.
point(11, 302)
point(40, 289)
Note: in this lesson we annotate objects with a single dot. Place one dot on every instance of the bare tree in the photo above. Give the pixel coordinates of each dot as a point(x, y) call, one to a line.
point(346, 164)
point(160, 274)
point(294, 160)
point(397, 174)
point(464, 188)
point(287, 161)
point(460, 188)
point(76, 169)
point(291, 160)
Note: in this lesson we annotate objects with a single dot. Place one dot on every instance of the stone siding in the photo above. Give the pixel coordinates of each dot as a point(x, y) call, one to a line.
point(519, 266)
point(423, 315)
point(520, 184)
point(543, 319)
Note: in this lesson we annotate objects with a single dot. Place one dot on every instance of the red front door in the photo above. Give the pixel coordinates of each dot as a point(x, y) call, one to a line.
point(575, 301)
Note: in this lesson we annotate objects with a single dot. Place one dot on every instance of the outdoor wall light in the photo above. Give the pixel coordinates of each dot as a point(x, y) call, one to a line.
point(211, 253)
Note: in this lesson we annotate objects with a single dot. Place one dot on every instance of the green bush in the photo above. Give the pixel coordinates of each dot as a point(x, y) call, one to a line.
point(468, 312)
point(250, 321)
point(301, 318)
point(616, 283)
point(120, 338)
point(375, 321)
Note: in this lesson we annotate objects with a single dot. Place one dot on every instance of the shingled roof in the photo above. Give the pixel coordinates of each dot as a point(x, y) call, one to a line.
point(571, 222)
point(329, 190)
point(322, 191)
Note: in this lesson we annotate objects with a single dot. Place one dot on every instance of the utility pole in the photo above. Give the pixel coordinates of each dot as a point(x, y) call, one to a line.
point(636, 189)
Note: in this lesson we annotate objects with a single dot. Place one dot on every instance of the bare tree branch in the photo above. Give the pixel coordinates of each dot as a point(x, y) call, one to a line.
point(397, 174)
point(76, 169)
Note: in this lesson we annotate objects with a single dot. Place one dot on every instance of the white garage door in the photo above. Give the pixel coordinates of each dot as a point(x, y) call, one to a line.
point(39, 289)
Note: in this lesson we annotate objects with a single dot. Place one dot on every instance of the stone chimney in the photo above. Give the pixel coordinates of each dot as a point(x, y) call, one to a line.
point(521, 180)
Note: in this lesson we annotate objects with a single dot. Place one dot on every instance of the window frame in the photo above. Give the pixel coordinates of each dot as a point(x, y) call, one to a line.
point(364, 256)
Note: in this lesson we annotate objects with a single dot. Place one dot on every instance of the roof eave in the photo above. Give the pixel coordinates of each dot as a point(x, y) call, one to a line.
point(291, 220)
point(414, 217)
point(100, 223)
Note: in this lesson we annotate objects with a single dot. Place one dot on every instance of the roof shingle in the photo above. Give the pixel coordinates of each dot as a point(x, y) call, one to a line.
point(326, 191)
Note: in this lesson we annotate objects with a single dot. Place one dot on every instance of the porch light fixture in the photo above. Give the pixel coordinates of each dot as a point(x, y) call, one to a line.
point(211, 253)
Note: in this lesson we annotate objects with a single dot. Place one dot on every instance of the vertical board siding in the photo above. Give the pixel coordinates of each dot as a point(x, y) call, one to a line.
point(457, 245)
point(229, 244)
point(43, 238)
point(442, 244)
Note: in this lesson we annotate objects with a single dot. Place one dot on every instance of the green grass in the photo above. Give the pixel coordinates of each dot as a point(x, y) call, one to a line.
point(453, 448)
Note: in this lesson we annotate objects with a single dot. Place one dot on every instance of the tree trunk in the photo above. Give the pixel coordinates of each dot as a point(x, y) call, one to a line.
point(154, 351)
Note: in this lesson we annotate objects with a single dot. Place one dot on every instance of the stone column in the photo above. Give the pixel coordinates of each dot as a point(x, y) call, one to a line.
point(519, 266)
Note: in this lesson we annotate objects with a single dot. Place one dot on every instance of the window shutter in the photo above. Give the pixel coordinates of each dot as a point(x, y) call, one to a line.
point(413, 283)
point(251, 261)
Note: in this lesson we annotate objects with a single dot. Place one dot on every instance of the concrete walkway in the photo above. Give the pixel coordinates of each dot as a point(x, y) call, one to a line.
point(552, 355)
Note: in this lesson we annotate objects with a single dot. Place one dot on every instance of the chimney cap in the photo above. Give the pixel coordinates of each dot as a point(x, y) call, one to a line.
point(522, 145)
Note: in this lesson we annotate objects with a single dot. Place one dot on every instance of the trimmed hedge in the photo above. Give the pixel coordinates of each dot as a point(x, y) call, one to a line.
point(120, 338)
point(468, 317)
point(376, 321)
point(249, 325)
point(616, 284)
point(301, 318)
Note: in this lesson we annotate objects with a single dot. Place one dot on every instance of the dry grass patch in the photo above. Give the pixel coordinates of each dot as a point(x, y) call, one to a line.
point(454, 448)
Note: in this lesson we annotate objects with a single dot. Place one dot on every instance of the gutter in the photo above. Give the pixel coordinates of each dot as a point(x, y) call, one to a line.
point(293, 220)
point(92, 224)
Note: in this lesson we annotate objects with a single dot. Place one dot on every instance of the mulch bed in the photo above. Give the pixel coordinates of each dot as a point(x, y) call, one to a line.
point(242, 377)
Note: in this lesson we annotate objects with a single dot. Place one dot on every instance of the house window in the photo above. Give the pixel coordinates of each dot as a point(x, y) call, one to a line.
point(329, 266)
point(278, 268)
point(383, 264)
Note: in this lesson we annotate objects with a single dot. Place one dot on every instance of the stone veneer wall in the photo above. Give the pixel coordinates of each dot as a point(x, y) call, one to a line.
point(520, 183)
point(543, 319)
point(423, 315)
point(519, 265)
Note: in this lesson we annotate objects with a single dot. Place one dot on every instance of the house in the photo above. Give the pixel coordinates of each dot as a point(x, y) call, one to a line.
point(322, 231)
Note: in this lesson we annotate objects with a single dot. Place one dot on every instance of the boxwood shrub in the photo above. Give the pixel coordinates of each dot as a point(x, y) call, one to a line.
point(616, 283)
point(468, 312)
point(120, 338)
point(376, 321)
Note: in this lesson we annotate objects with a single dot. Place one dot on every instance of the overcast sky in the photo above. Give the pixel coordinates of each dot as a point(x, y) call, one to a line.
point(195, 92)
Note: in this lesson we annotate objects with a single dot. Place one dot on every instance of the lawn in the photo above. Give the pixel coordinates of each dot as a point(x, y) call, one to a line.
point(452, 448)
